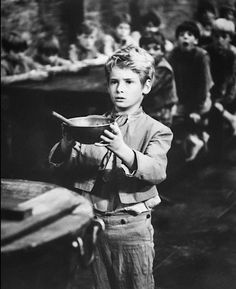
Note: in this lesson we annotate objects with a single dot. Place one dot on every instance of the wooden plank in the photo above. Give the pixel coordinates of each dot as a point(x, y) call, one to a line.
point(46, 208)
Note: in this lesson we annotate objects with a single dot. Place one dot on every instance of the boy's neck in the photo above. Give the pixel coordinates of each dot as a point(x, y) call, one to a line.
point(127, 112)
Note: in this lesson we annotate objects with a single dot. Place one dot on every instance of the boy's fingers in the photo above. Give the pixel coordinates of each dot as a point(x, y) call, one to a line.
point(108, 133)
point(101, 144)
point(105, 139)
point(115, 128)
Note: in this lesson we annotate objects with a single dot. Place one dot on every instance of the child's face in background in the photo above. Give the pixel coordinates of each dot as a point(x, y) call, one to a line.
point(230, 15)
point(208, 17)
point(126, 90)
point(150, 28)
point(221, 39)
point(87, 41)
point(53, 58)
point(155, 50)
point(186, 40)
point(123, 31)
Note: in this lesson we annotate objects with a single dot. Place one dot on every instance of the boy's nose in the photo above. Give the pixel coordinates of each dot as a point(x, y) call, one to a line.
point(120, 87)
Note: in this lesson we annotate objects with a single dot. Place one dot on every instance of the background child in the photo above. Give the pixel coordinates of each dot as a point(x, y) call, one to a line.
point(15, 64)
point(120, 36)
point(223, 58)
point(193, 82)
point(48, 51)
point(151, 23)
point(122, 174)
point(161, 101)
point(48, 55)
point(89, 48)
point(205, 17)
point(223, 70)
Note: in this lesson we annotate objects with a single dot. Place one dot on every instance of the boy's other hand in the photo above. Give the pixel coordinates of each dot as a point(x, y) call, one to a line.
point(112, 138)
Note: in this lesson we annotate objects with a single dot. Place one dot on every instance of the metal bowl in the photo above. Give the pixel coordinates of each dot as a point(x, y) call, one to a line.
point(88, 129)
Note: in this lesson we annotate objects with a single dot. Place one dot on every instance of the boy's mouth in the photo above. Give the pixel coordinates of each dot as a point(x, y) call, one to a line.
point(185, 44)
point(119, 99)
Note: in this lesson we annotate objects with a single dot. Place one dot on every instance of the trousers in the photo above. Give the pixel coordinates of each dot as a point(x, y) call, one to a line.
point(124, 253)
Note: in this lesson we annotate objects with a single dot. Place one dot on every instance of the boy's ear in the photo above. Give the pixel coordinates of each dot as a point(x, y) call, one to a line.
point(147, 86)
point(196, 41)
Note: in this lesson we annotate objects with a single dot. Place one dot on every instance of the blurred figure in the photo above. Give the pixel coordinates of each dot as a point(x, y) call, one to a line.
point(229, 117)
point(205, 17)
point(47, 54)
point(89, 48)
point(161, 101)
point(48, 50)
point(227, 11)
point(191, 65)
point(222, 56)
point(223, 68)
point(15, 64)
point(151, 23)
point(120, 36)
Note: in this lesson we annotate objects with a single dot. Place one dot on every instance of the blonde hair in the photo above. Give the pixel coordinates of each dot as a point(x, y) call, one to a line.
point(135, 58)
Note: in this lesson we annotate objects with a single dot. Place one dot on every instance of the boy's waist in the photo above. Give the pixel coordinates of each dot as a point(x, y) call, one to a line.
point(134, 209)
point(122, 218)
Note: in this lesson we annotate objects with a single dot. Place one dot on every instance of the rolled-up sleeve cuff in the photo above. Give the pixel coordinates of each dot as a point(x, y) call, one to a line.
point(127, 171)
point(52, 159)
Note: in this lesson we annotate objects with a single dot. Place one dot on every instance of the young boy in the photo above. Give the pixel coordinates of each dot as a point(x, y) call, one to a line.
point(120, 36)
point(162, 99)
point(223, 69)
point(121, 174)
point(89, 48)
point(16, 66)
point(193, 83)
point(48, 50)
point(223, 59)
point(150, 24)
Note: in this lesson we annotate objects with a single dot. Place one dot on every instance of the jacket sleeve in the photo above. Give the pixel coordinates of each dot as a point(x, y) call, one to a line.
point(68, 162)
point(152, 163)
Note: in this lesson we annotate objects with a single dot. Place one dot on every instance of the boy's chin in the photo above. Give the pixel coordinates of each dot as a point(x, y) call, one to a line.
point(187, 48)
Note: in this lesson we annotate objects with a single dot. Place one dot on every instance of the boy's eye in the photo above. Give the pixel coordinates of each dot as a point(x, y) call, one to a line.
point(113, 81)
point(128, 81)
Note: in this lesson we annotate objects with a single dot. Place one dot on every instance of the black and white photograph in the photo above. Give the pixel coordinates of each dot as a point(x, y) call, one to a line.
point(118, 144)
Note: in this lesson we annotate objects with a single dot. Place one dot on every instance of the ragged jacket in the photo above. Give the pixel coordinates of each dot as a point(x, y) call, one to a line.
point(150, 141)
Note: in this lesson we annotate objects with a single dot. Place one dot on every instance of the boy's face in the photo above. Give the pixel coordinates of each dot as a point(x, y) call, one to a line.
point(126, 90)
point(221, 39)
point(208, 18)
point(155, 51)
point(186, 40)
point(87, 41)
point(123, 30)
point(150, 28)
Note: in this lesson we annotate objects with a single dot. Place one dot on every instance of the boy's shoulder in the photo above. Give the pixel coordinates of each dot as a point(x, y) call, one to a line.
point(154, 124)
point(196, 51)
point(164, 63)
point(200, 52)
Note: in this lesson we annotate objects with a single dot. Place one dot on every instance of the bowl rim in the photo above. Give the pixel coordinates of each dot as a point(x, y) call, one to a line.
point(109, 119)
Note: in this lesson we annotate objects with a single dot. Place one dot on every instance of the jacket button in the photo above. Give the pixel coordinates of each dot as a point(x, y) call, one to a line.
point(123, 221)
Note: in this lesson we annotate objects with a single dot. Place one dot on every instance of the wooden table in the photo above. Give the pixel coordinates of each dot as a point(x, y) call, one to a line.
point(37, 252)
